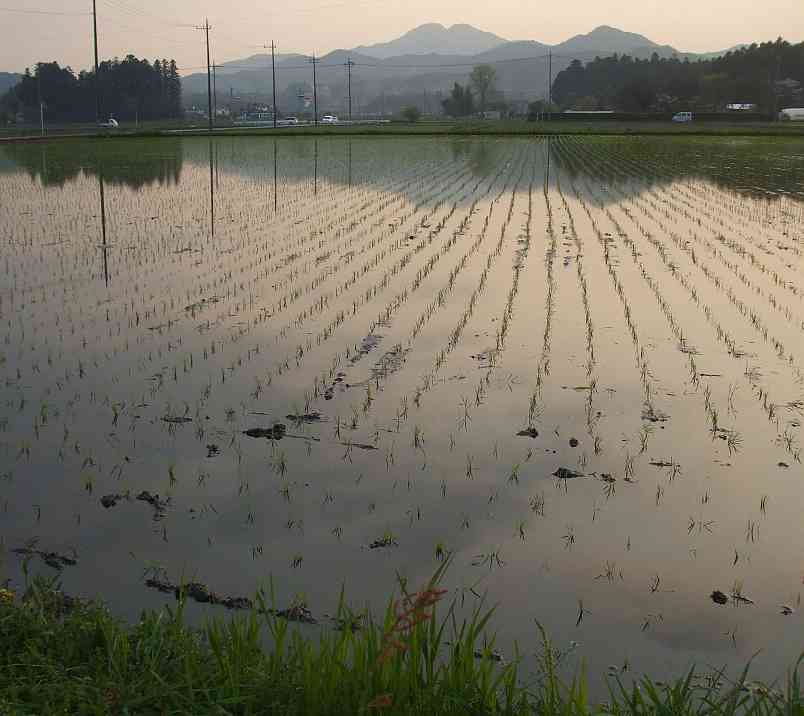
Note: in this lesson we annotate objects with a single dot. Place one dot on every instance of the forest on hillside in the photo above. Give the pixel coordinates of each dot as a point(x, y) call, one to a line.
point(126, 89)
point(769, 75)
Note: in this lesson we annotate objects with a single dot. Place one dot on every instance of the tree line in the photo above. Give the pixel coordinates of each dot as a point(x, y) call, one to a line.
point(478, 95)
point(769, 75)
point(127, 89)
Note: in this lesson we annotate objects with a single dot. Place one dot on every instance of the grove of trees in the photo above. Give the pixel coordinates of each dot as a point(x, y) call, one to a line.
point(460, 103)
point(478, 95)
point(769, 75)
point(129, 89)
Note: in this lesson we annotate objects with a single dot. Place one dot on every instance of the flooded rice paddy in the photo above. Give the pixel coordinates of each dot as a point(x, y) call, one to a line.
point(574, 365)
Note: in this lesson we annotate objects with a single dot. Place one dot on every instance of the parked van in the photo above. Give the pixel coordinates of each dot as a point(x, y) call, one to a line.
point(682, 117)
point(792, 114)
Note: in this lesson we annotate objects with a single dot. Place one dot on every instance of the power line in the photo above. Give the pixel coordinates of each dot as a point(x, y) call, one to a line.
point(27, 11)
point(138, 12)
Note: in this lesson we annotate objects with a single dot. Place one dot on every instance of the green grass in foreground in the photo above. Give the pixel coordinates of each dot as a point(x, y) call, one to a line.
point(63, 657)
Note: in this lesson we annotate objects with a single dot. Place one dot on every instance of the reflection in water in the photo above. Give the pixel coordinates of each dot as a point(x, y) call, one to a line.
point(211, 193)
point(275, 187)
point(104, 246)
point(481, 155)
point(763, 167)
point(135, 163)
point(502, 260)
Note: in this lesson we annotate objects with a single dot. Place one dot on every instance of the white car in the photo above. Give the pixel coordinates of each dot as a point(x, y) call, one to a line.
point(329, 119)
point(110, 124)
point(290, 120)
point(682, 117)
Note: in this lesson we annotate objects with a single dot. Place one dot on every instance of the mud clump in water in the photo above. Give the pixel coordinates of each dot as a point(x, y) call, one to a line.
point(306, 418)
point(51, 559)
point(276, 432)
point(198, 592)
point(111, 500)
point(159, 504)
point(528, 433)
point(719, 597)
point(564, 473)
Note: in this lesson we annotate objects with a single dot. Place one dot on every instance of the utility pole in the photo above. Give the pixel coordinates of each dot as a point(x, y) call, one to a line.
point(314, 62)
point(214, 90)
point(349, 65)
point(97, 78)
point(273, 75)
point(39, 96)
point(550, 85)
point(206, 28)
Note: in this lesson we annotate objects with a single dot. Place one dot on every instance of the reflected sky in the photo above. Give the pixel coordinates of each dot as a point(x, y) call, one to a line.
point(406, 308)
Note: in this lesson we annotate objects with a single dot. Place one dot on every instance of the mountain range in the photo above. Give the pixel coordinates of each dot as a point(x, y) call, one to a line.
point(420, 66)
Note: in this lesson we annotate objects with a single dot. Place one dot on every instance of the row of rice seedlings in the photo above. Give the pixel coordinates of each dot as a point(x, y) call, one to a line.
point(732, 437)
point(721, 221)
point(705, 201)
point(769, 407)
point(734, 440)
point(401, 298)
point(734, 351)
point(741, 306)
point(591, 415)
point(213, 349)
point(543, 366)
point(735, 269)
point(385, 316)
point(454, 336)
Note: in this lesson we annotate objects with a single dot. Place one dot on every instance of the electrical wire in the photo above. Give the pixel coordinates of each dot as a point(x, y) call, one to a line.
point(29, 11)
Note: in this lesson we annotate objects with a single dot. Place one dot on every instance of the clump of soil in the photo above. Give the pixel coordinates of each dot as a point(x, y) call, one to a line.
point(564, 473)
point(51, 559)
point(276, 432)
point(528, 433)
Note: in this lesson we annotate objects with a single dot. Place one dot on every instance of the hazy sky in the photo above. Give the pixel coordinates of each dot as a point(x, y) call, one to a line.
point(160, 28)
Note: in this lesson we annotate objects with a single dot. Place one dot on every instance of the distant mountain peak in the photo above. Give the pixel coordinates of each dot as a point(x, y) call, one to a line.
point(433, 37)
point(609, 38)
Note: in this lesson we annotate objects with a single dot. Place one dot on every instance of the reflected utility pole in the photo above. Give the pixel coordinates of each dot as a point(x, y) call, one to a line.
point(104, 246)
point(275, 185)
point(549, 84)
point(315, 166)
point(211, 192)
point(350, 160)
